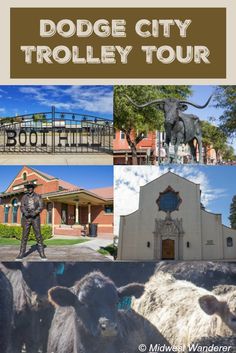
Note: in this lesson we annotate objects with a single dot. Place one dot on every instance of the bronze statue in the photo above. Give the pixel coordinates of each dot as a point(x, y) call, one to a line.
point(180, 128)
point(31, 207)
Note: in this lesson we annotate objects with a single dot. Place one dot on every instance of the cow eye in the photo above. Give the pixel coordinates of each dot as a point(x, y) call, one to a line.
point(233, 319)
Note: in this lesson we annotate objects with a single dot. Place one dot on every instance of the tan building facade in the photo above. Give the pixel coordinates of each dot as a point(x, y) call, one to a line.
point(172, 224)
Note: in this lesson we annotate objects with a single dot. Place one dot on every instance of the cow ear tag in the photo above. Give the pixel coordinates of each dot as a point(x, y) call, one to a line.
point(60, 268)
point(124, 303)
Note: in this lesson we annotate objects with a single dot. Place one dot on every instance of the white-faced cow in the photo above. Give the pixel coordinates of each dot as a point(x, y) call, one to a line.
point(87, 318)
point(184, 312)
point(180, 128)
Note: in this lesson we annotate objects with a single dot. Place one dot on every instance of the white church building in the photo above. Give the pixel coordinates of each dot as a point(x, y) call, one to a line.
point(172, 224)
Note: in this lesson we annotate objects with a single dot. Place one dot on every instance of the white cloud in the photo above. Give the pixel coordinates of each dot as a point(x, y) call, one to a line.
point(232, 142)
point(94, 99)
point(128, 180)
point(2, 110)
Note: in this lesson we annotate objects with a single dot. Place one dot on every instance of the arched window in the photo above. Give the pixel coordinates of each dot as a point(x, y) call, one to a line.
point(229, 241)
point(24, 176)
point(49, 213)
point(14, 210)
point(6, 213)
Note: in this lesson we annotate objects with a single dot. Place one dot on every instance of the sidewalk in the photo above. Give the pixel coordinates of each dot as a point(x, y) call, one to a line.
point(95, 243)
point(92, 243)
point(57, 159)
point(54, 253)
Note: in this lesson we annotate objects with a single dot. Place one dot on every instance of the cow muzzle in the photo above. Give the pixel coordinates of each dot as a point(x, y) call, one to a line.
point(107, 328)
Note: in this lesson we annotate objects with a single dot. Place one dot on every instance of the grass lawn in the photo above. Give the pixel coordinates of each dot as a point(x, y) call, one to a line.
point(49, 242)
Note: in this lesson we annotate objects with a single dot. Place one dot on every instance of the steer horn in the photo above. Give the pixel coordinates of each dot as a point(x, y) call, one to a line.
point(157, 101)
point(198, 106)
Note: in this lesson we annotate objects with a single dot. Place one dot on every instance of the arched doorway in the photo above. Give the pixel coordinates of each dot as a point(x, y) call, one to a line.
point(168, 239)
point(168, 249)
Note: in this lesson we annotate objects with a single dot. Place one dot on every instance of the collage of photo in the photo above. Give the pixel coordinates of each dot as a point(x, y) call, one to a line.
point(117, 218)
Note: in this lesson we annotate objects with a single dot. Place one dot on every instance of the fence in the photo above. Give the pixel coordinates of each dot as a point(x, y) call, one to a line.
point(56, 132)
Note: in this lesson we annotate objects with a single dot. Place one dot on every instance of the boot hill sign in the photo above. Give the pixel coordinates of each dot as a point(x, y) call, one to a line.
point(53, 132)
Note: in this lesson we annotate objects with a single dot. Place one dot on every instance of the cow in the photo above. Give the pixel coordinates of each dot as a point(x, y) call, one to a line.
point(180, 128)
point(31, 310)
point(87, 318)
point(184, 312)
point(224, 289)
point(134, 272)
point(194, 271)
point(6, 314)
point(206, 274)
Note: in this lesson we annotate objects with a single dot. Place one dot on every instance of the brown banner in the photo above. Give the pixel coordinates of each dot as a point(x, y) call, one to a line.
point(118, 43)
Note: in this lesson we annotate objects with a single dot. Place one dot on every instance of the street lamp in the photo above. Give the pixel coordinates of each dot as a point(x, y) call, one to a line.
point(115, 246)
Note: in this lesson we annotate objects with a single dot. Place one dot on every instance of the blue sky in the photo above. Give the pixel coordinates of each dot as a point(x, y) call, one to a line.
point(88, 177)
point(217, 184)
point(219, 187)
point(91, 100)
point(82, 99)
point(94, 100)
point(200, 94)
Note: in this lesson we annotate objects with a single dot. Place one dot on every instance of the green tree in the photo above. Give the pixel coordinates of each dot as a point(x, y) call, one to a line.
point(10, 120)
point(136, 122)
point(18, 118)
point(2, 120)
point(225, 98)
point(39, 117)
point(232, 216)
point(213, 137)
point(229, 154)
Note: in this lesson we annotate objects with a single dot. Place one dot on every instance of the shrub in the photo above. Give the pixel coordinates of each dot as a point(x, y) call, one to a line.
point(108, 250)
point(7, 231)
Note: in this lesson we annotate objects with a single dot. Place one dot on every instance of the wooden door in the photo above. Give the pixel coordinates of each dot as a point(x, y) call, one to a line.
point(168, 249)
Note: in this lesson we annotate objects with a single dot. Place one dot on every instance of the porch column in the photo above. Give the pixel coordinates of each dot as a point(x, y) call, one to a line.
point(89, 213)
point(77, 212)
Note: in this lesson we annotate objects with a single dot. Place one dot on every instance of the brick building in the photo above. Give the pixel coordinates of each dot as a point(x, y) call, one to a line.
point(151, 144)
point(122, 152)
point(67, 207)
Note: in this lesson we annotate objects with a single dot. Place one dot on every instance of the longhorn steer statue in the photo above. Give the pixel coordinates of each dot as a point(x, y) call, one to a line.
point(180, 128)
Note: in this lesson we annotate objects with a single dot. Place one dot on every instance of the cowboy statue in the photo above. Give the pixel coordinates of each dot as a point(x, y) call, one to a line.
point(31, 207)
